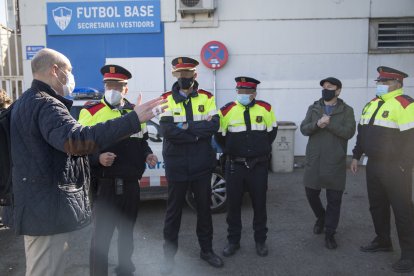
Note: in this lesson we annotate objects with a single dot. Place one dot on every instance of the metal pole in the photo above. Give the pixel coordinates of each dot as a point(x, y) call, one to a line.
point(214, 82)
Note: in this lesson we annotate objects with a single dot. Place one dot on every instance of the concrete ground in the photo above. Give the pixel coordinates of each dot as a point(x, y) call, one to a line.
point(294, 249)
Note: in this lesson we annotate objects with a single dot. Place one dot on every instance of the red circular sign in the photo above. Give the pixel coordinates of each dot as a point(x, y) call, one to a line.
point(214, 55)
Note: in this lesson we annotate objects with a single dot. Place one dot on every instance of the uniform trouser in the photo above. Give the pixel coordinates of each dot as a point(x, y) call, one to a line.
point(390, 185)
point(45, 255)
point(333, 207)
point(201, 189)
point(112, 211)
point(238, 179)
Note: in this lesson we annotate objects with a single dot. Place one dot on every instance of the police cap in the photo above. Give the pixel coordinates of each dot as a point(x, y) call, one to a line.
point(183, 63)
point(388, 73)
point(246, 82)
point(117, 73)
point(333, 81)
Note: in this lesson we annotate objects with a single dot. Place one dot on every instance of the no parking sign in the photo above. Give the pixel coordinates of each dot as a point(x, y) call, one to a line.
point(214, 55)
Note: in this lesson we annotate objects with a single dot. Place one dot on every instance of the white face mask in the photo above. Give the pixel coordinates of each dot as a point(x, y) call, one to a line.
point(381, 90)
point(69, 86)
point(113, 97)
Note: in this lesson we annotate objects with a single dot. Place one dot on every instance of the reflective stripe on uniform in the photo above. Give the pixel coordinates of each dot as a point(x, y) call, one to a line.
point(179, 119)
point(407, 126)
point(141, 133)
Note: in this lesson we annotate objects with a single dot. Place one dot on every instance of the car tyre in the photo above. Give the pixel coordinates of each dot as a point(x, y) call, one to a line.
point(218, 193)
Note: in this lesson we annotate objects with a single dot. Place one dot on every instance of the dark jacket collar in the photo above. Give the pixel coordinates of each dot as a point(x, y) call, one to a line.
point(180, 98)
point(44, 87)
point(338, 107)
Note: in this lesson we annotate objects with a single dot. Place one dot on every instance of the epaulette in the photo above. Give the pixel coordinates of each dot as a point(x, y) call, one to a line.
point(204, 92)
point(94, 107)
point(266, 105)
point(226, 108)
point(166, 94)
point(404, 100)
point(90, 103)
point(375, 99)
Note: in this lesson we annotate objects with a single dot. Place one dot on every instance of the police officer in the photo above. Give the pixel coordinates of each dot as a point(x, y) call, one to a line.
point(247, 130)
point(385, 136)
point(187, 126)
point(117, 170)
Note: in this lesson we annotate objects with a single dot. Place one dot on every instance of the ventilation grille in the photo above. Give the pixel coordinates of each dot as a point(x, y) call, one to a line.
point(190, 3)
point(395, 35)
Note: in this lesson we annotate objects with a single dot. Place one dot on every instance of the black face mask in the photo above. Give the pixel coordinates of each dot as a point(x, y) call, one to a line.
point(185, 83)
point(328, 95)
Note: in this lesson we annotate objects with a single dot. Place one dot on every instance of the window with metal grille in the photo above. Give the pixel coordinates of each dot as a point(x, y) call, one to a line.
point(392, 35)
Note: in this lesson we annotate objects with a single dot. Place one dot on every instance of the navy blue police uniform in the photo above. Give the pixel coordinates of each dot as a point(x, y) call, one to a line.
point(247, 131)
point(117, 194)
point(187, 126)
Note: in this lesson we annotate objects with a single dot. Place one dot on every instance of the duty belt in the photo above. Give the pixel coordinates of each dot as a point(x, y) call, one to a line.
point(249, 162)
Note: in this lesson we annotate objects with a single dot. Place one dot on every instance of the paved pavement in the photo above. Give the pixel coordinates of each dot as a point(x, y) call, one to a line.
point(294, 249)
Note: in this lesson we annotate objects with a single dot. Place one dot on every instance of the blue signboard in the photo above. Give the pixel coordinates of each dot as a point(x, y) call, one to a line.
point(31, 51)
point(82, 18)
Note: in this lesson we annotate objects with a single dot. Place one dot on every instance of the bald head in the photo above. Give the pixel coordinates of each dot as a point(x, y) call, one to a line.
point(52, 68)
point(46, 58)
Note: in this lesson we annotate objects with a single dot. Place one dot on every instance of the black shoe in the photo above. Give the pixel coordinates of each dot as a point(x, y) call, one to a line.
point(318, 227)
point(167, 266)
point(377, 245)
point(330, 241)
point(230, 249)
point(261, 249)
point(211, 258)
point(403, 265)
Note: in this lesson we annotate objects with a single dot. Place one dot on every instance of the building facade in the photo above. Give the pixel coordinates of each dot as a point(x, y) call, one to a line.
point(289, 45)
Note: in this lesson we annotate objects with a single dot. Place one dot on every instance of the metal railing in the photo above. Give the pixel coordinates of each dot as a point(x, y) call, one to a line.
point(11, 63)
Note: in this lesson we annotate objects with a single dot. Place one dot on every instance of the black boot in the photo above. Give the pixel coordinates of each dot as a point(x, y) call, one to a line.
point(377, 245)
point(330, 241)
point(211, 258)
point(230, 249)
point(261, 249)
point(403, 266)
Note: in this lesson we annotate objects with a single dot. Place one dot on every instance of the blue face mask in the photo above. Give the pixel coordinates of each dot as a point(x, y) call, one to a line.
point(382, 89)
point(244, 99)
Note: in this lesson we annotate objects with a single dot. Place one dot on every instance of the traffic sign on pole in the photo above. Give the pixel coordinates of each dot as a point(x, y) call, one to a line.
point(214, 55)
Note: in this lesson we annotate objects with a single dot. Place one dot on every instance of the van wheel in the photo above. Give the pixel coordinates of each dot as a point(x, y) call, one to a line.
point(218, 193)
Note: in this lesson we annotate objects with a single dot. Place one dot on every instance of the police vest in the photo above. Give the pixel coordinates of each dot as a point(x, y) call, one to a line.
point(385, 128)
point(393, 110)
point(262, 117)
point(202, 106)
point(99, 112)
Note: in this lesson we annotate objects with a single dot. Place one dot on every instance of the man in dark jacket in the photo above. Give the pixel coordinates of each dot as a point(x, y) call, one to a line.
point(117, 170)
point(50, 165)
point(329, 123)
point(187, 126)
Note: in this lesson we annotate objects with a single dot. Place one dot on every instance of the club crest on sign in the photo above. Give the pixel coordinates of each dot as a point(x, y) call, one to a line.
point(62, 17)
